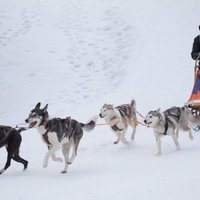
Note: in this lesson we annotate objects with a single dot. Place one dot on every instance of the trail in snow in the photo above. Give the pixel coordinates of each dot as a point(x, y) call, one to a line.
point(80, 39)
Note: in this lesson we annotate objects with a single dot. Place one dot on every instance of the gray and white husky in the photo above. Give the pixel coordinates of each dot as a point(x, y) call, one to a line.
point(58, 133)
point(162, 125)
point(118, 118)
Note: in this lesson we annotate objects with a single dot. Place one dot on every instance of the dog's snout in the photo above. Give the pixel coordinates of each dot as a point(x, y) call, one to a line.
point(145, 121)
point(100, 115)
point(26, 120)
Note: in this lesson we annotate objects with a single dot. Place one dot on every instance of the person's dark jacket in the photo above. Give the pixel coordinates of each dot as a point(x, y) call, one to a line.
point(196, 47)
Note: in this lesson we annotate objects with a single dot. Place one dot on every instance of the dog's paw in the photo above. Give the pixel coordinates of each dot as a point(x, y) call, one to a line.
point(44, 165)
point(158, 154)
point(116, 142)
point(2, 171)
point(178, 148)
point(63, 172)
point(69, 163)
point(191, 137)
point(25, 168)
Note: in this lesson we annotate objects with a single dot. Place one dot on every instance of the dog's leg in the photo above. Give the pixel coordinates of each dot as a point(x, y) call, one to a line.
point(133, 134)
point(175, 141)
point(75, 144)
point(133, 125)
point(190, 134)
point(122, 136)
point(50, 153)
point(17, 158)
point(65, 151)
point(158, 141)
point(53, 156)
point(73, 153)
point(118, 137)
point(177, 131)
point(9, 156)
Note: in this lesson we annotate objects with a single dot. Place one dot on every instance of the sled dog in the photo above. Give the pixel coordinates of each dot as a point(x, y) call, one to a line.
point(162, 125)
point(118, 118)
point(11, 139)
point(182, 116)
point(58, 133)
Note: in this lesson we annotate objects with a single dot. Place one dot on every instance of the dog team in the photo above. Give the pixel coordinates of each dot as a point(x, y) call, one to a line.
point(65, 134)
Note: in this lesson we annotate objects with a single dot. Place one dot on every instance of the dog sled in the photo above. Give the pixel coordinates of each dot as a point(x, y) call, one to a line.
point(194, 101)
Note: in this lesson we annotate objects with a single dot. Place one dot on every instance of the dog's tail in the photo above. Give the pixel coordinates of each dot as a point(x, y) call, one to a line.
point(133, 104)
point(90, 125)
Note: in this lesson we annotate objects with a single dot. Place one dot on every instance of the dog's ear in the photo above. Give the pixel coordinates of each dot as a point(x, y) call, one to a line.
point(45, 108)
point(38, 105)
point(110, 106)
point(158, 110)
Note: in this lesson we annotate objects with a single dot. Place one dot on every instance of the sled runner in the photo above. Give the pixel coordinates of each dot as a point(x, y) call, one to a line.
point(194, 101)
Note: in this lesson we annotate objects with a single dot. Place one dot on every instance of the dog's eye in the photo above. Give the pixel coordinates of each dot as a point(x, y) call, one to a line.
point(34, 115)
point(150, 116)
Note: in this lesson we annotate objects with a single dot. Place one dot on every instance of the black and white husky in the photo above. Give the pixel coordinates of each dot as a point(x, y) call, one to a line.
point(11, 139)
point(118, 118)
point(58, 133)
point(162, 125)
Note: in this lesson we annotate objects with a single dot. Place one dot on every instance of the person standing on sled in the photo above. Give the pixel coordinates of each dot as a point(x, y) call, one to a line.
point(195, 54)
point(194, 100)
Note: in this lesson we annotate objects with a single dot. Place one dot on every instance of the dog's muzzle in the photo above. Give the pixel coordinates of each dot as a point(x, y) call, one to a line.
point(100, 115)
point(147, 123)
point(32, 124)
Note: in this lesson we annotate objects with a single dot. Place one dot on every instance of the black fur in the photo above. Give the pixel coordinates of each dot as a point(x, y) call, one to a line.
point(11, 139)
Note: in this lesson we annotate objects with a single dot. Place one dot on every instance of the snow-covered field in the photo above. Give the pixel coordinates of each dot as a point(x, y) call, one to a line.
point(77, 55)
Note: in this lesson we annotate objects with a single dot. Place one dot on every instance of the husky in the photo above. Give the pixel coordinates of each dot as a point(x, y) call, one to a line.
point(11, 139)
point(58, 133)
point(118, 118)
point(162, 125)
point(182, 117)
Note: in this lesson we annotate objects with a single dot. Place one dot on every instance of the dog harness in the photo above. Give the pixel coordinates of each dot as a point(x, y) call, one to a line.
point(166, 124)
point(67, 124)
point(115, 128)
point(176, 114)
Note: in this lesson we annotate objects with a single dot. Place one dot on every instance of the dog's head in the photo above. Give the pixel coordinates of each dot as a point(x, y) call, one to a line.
point(152, 118)
point(106, 110)
point(37, 116)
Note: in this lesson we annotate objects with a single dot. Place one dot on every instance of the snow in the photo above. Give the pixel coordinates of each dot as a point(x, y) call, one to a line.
point(77, 55)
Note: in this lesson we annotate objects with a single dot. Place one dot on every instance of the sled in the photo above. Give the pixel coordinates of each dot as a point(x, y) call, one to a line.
point(194, 101)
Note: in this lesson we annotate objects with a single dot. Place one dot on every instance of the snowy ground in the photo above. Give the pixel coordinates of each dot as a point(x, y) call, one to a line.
point(77, 55)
